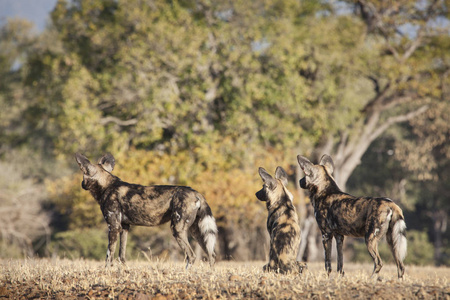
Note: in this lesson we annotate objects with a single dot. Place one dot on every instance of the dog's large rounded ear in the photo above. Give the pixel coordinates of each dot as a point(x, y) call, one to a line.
point(271, 183)
point(84, 163)
point(107, 162)
point(327, 162)
point(305, 164)
point(280, 174)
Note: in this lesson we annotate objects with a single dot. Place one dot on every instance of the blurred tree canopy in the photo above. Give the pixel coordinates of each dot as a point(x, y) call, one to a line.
point(202, 93)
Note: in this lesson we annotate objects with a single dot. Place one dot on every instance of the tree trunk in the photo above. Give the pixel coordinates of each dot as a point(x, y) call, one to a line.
point(440, 219)
point(308, 249)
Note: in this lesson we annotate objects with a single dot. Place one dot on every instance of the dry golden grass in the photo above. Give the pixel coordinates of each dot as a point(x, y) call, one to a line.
point(65, 279)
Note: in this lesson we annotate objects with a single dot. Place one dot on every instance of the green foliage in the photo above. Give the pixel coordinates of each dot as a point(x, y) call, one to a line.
point(74, 207)
point(420, 250)
point(11, 250)
point(382, 175)
point(80, 243)
point(162, 76)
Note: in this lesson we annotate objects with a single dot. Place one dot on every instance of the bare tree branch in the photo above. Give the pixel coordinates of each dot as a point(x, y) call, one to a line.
point(394, 101)
point(350, 151)
point(397, 119)
point(117, 121)
point(380, 96)
point(414, 45)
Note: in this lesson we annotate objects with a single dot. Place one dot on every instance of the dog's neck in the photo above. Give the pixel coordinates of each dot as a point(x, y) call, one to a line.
point(98, 189)
point(284, 197)
point(320, 194)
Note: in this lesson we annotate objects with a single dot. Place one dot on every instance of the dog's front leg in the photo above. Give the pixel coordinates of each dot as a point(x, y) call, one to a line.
point(112, 240)
point(326, 240)
point(123, 242)
point(340, 256)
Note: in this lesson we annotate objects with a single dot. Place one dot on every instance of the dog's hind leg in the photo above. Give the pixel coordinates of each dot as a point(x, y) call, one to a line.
point(377, 227)
point(194, 230)
point(372, 247)
point(340, 256)
point(123, 242)
point(180, 225)
point(184, 212)
point(181, 236)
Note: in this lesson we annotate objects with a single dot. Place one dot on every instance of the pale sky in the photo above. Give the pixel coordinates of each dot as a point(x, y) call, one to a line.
point(36, 11)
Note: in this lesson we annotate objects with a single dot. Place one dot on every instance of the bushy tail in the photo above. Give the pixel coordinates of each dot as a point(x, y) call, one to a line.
point(208, 230)
point(396, 238)
point(399, 239)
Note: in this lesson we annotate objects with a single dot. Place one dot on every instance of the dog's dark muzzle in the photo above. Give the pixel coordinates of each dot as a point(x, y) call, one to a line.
point(261, 195)
point(83, 185)
point(303, 183)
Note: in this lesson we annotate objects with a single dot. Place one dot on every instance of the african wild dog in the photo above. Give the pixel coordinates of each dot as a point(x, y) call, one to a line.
point(339, 214)
point(282, 223)
point(124, 204)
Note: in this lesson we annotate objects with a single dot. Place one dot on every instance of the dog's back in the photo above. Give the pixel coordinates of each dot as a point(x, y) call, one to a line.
point(144, 205)
point(284, 231)
point(349, 215)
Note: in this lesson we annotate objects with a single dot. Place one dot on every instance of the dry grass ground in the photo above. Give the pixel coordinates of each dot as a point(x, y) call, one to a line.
point(65, 279)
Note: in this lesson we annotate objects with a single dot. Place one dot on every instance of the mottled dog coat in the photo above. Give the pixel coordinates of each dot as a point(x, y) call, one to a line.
point(282, 223)
point(124, 204)
point(339, 214)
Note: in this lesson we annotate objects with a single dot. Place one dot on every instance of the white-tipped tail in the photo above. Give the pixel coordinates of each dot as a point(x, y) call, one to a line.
point(399, 239)
point(208, 229)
